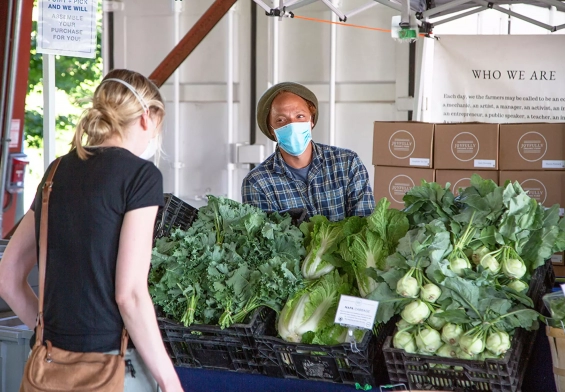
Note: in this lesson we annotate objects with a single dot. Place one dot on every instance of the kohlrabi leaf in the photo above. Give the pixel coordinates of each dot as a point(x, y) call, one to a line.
point(389, 302)
point(455, 316)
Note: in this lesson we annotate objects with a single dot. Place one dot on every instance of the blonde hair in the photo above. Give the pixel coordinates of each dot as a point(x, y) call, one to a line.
point(115, 107)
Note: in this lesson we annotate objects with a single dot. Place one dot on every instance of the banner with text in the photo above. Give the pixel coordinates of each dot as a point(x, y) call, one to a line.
point(500, 79)
point(67, 27)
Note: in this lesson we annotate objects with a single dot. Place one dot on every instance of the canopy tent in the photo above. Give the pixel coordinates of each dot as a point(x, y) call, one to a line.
point(426, 12)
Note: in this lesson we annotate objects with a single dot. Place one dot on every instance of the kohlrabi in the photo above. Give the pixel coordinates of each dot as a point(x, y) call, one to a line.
point(458, 260)
point(478, 254)
point(415, 312)
point(447, 351)
point(463, 355)
point(436, 322)
point(405, 341)
point(473, 341)
point(451, 333)
point(490, 263)
point(430, 292)
point(458, 265)
point(408, 286)
point(428, 340)
point(498, 342)
point(508, 260)
point(518, 285)
point(513, 268)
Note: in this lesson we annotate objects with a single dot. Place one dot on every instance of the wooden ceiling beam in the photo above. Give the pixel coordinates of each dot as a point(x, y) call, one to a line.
point(190, 41)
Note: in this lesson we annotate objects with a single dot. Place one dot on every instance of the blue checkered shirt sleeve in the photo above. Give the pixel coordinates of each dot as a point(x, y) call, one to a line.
point(360, 199)
point(255, 197)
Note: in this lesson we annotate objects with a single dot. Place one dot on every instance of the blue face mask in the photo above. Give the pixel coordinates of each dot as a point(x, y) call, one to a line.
point(294, 138)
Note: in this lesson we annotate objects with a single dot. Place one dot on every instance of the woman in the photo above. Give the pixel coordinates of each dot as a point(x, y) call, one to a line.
point(102, 210)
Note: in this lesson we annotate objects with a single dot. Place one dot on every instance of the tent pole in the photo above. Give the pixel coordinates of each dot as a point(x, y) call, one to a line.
point(444, 7)
point(360, 9)
point(474, 11)
point(516, 15)
point(294, 6)
point(390, 4)
point(557, 4)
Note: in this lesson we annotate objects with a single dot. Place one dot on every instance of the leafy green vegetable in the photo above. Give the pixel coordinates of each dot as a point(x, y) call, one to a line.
point(324, 237)
point(232, 260)
point(309, 315)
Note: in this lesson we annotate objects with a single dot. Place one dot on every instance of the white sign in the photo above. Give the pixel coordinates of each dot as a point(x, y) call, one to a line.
point(67, 27)
point(356, 312)
point(563, 288)
point(492, 79)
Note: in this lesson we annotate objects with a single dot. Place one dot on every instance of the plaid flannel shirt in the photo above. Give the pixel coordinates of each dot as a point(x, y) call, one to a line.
point(338, 185)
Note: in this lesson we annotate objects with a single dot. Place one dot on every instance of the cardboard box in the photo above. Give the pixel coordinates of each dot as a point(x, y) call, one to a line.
point(532, 147)
point(462, 178)
point(394, 182)
point(557, 259)
point(547, 187)
point(466, 146)
point(559, 271)
point(407, 144)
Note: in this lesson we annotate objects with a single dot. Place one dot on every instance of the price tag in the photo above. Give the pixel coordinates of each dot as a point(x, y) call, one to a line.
point(491, 163)
point(419, 162)
point(553, 164)
point(563, 288)
point(356, 312)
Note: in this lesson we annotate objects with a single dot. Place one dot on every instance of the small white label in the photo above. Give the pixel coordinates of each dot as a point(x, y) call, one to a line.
point(15, 133)
point(553, 164)
point(561, 211)
point(485, 163)
point(563, 288)
point(557, 258)
point(419, 162)
point(356, 312)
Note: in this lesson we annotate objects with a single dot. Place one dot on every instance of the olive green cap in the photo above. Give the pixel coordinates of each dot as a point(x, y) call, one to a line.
point(265, 102)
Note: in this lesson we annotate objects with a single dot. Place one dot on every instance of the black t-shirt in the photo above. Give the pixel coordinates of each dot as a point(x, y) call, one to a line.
point(86, 209)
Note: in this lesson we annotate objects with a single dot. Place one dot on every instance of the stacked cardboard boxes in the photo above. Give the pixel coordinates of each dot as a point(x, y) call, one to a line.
point(405, 153)
point(403, 157)
point(463, 149)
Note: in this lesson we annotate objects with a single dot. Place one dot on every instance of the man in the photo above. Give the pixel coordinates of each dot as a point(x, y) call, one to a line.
point(324, 180)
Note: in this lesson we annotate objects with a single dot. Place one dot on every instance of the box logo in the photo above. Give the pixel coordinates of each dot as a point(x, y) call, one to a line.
point(401, 144)
point(462, 183)
point(532, 146)
point(536, 190)
point(398, 187)
point(465, 146)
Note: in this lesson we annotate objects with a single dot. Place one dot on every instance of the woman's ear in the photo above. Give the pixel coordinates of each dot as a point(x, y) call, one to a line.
point(146, 122)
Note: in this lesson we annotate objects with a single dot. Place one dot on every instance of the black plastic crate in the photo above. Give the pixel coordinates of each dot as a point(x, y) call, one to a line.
point(174, 214)
point(298, 215)
point(210, 347)
point(448, 374)
point(338, 364)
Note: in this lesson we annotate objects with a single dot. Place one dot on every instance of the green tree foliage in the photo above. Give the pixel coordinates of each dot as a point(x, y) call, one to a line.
point(76, 76)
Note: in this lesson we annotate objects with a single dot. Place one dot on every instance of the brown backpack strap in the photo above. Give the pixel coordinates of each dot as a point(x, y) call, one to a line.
point(43, 226)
